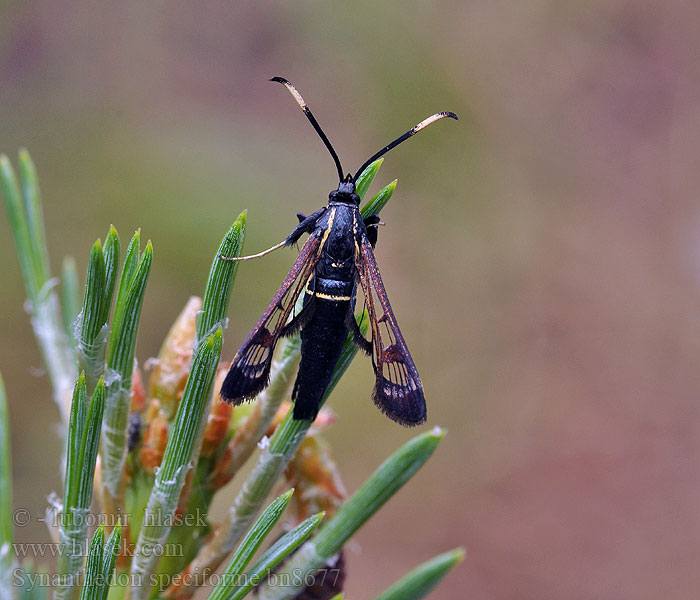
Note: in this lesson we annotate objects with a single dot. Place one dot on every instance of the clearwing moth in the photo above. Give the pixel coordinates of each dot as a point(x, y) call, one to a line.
point(337, 254)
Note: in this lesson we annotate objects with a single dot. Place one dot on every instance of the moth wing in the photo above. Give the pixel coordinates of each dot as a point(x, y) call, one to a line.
point(249, 372)
point(398, 391)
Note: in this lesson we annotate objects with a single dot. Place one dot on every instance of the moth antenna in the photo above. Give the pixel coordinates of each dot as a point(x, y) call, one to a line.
point(411, 132)
point(300, 101)
point(252, 256)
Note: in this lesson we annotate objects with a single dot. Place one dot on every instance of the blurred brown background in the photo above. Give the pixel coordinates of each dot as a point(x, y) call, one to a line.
point(542, 255)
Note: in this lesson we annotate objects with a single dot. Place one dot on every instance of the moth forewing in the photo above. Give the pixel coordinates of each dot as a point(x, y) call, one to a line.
point(250, 369)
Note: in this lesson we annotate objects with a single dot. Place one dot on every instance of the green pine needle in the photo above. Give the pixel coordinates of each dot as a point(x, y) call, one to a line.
point(250, 544)
point(99, 289)
point(6, 557)
point(90, 444)
point(379, 200)
point(91, 348)
point(81, 454)
point(280, 550)
point(157, 520)
point(132, 286)
point(366, 177)
point(382, 485)
point(111, 251)
point(75, 435)
point(22, 203)
point(420, 581)
point(375, 205)
point(220, 281)
point(109, 559)
point(120, 364)
point(28, 254)
point(92, 590)
point(100, 564)
point(35, 220)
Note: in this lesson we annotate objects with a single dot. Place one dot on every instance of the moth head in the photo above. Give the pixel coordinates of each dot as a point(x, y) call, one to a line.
point(345, 193)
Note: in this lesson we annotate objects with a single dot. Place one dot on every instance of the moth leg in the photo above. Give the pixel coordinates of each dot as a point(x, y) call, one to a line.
point(372, 225)
point(307, 225)
point(362, 343)
point(301, 217)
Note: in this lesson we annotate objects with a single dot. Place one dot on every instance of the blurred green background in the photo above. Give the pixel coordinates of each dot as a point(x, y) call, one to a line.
point(542, 254)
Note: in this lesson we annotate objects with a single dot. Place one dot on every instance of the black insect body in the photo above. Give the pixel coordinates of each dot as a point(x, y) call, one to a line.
point(330, 300)
point(337, 254)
